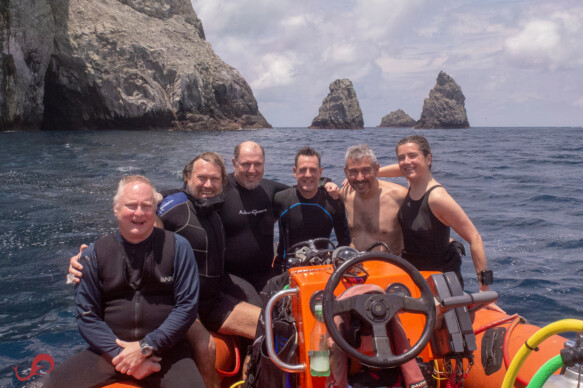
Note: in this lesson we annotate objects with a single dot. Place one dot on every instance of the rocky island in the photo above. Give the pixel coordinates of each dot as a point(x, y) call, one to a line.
point(115, 64)
point(397, 119)
point(445, 106)
point(340, 109)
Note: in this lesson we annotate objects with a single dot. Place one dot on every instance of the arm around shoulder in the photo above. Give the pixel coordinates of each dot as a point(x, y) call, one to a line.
point(390, 171)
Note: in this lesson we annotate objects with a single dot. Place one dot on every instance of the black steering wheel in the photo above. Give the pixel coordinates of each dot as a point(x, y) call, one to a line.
point(378, 310)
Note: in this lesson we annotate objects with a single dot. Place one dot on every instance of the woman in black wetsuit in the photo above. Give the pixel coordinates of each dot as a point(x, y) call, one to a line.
point(427, 214)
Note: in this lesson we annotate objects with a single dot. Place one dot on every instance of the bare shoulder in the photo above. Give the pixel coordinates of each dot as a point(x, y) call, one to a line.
point(440, 201)
point(393, 189)
point(439, 194)
point(346, 192)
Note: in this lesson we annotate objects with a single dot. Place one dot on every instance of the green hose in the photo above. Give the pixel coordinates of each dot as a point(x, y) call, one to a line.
point(545, 371)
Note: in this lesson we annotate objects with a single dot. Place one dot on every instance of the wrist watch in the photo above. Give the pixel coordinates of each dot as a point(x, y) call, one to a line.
point(146, 349)
point(486, 277)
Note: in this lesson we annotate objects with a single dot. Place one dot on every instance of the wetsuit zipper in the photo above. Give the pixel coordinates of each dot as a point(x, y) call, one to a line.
point(137, 314)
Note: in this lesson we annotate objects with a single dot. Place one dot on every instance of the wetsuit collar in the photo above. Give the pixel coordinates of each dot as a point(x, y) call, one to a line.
point(206, 206)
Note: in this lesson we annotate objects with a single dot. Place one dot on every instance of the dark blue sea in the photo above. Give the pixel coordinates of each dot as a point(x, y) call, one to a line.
point(522, 188)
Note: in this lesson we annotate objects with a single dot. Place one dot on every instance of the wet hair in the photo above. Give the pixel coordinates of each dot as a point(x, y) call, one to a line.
point(421, 142)
point(307, 151)
point(209, 156)
point(127, 179)
point(237, 150)
point(359, 152)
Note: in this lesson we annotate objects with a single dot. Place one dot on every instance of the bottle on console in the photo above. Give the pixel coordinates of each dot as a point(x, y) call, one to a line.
point(319, 348)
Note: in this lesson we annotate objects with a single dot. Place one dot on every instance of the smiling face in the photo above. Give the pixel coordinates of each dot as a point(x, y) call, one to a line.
point(361, 174)
point(135, 210)
point(412, 161)
point(249, 165)
point(206, 179)
point(308, 173)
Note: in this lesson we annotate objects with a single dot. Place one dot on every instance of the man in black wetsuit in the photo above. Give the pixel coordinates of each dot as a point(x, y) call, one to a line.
point(248, 216)
point(138, 297)
point(192, 213)
point(305, 211)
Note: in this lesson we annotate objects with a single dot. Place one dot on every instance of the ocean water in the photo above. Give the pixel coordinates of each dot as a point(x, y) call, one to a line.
point(522, 188)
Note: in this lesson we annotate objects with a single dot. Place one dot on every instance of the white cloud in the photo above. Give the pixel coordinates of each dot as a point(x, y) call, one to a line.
point(548, 43)
point(500, 53)
point(274, 70)
point(393, 65)
point(340, 53)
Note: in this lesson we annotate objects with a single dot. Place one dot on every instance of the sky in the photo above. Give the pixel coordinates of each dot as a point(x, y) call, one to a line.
point(518, 63)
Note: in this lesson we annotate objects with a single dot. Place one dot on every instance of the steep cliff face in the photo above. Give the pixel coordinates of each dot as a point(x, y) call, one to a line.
point(138, 64)
point(26, 43)
point(445, 106)
point(340, 109)
point(397, 119)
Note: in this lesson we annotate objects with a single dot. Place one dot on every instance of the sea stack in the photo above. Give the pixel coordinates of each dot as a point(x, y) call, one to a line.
point(397, 119)
point(340, 109)
point(115, 64)
point(445, 106)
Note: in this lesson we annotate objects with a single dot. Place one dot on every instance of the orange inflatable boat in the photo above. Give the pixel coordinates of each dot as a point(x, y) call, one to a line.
point(459, 339)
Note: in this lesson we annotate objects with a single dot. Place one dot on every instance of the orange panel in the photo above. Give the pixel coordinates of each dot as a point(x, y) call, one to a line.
point(309, 280)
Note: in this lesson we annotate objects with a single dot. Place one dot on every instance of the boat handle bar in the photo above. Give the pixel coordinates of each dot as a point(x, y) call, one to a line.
point(290, 368)
point(479, 298)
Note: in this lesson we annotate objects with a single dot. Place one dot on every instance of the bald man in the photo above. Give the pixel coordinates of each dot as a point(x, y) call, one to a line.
point(248, 216)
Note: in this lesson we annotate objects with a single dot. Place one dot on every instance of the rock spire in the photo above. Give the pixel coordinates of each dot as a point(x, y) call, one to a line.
point(340, 109)
point(445, 106)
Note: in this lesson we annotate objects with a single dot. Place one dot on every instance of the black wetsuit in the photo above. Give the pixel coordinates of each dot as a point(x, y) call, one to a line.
point(132, 291)
point(301, 219)
point(248, 219)
point(426, 239)
point(219, 292)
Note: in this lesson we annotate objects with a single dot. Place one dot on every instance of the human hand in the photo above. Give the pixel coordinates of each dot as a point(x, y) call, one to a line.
point(158, 198)
point(332, 190)
point(130, 357)
point(75, 267)
point(494, 306)
point(146, 368)
point(491, 306)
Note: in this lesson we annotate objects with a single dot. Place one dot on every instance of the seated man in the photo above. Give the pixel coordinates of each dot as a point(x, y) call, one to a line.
point(306, 211)
point(138, 298)
point(192, 213)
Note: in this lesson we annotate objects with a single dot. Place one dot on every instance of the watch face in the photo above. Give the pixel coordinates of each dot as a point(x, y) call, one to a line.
point(487, 277)
point(146, 349)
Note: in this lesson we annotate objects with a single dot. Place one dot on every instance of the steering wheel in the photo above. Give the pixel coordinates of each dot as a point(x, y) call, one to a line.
point(378, 310)
point(312, 244)
point(377, 244)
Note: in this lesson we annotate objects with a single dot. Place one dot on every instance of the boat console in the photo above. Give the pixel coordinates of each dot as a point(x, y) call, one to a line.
point(431, 306)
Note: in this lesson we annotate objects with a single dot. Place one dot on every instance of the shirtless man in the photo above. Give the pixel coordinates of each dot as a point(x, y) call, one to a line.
point(371, 204)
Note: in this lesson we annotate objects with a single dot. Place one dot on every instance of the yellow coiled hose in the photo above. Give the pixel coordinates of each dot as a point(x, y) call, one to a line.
point(534, 341)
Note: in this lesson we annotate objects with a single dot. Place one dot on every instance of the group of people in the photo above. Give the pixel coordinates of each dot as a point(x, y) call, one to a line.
point(149, 295)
